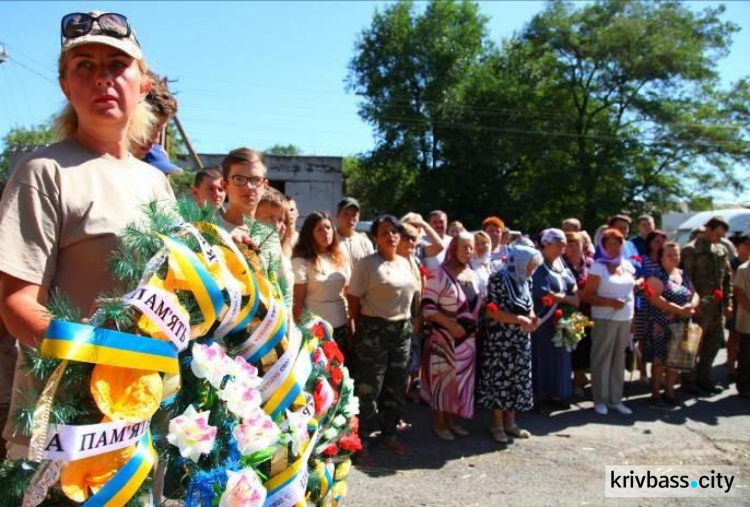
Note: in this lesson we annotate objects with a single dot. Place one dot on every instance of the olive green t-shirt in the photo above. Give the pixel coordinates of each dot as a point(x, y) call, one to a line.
point(60, 216)
point(385, 287)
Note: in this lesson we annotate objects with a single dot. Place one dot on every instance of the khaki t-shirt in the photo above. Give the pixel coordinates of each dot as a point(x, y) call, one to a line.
point(357, 247)
point(325, 283)
point(386, 287)
point(59, 219)
point(742, 281)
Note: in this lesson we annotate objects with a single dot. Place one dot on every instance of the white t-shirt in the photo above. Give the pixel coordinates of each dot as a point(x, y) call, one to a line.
point(325, 284)
point(617, 286)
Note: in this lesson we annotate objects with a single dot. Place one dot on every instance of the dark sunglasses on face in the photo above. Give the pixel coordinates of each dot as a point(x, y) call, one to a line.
point(78, 24)
point(241, 181)
point(408, 237)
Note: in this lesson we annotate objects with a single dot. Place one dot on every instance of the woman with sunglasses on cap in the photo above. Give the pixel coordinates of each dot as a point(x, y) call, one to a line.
point(380, 295)
point(554, 287)
point(65, 204)
point(321, 274)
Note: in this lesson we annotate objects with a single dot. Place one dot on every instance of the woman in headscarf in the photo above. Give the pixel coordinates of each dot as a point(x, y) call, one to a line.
point(481, 263)
point(450, 305)
point(505, 380)
point(554, 287)
point(609, 291)
point(65, 204)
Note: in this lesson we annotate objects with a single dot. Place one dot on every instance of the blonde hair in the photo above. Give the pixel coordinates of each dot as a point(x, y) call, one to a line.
point(139, 127)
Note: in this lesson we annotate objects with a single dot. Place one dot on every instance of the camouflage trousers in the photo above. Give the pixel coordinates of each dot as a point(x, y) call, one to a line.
point(381, 358)
point(711, 322)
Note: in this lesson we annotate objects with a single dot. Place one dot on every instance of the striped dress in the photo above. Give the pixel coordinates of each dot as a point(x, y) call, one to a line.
point(643, 310)
point(449, 364)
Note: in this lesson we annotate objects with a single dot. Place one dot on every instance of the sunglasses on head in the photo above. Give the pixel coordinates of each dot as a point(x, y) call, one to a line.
point(78, 24)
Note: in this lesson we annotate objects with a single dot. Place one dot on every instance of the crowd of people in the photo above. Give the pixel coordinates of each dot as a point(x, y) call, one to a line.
point(421, 308)
point(428, 311)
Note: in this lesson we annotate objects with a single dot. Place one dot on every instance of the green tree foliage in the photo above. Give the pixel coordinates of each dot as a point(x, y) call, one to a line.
point(280, 149)
point(590, 109)
point(23, 138)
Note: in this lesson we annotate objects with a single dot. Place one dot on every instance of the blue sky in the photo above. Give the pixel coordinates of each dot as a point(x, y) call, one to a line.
point(248, 73)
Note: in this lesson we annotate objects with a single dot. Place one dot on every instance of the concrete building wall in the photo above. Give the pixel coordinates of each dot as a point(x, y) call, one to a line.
point(315, 182)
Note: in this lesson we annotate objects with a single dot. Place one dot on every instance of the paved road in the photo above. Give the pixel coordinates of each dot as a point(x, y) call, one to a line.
point(563, 463)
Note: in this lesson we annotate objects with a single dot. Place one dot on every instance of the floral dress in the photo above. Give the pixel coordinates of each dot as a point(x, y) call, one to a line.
point(448, 363)
point(657, 341)
point(505, 373)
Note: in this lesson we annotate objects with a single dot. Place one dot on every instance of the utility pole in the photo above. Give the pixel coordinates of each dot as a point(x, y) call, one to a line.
point(183, 134)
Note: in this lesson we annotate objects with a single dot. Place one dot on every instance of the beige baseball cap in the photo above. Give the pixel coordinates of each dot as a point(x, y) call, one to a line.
point(103, 29)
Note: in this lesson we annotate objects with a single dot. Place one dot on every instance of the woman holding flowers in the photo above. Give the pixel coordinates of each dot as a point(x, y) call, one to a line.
point(450, 305)
point(554, 289)
point(65, 204)
point(673, 301)
point(505, 375)
point(609, 291)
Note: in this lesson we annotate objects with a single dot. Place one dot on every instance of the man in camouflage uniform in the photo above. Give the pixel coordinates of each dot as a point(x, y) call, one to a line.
point(706, 263)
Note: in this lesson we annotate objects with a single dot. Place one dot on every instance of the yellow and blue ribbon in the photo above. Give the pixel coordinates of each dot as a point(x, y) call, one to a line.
point(205, 289)
point(124, 485)
point(88, 344)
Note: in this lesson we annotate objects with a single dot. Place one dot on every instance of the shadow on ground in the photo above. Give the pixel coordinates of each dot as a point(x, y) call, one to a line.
point(430, 453)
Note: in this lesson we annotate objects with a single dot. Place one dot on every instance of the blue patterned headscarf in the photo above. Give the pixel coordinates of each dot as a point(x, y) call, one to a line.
point(518, 259)
point(517, 283)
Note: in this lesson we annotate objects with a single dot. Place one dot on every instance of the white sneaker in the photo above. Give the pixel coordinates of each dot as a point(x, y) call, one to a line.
point(621, 408)
point(600, 408)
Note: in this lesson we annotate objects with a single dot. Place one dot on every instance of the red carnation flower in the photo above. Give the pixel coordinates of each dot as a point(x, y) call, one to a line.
point(423, 270)
point(547, 301)
point(351, 443)
point(319, 331)
point(582, 283)
point(331, 450)
point(718, 296)
point(492, 308)
point(647, 289)
point(637, 258)
point(332, 352)
point(336, 376)
point(317, 396)
point(556, 317)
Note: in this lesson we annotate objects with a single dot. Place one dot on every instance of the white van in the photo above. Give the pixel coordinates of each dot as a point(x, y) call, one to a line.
point(739, 220)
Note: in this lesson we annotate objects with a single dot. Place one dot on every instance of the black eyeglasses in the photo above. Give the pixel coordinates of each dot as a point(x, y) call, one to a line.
point(241, 181)
point(78, 24)
point(408, 237)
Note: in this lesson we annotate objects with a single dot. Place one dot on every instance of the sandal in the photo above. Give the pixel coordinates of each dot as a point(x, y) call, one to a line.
point(517, 432)
point(458, 430)
point(443, 433)
point(498, 435)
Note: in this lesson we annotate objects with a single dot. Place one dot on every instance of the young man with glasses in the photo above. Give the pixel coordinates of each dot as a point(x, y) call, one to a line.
point(245, 182)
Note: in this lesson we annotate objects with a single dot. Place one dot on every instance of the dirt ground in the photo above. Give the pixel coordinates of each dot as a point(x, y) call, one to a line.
point(563, 463)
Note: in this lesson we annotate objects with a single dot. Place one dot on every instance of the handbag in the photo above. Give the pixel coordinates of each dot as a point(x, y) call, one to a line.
point(684, 344)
